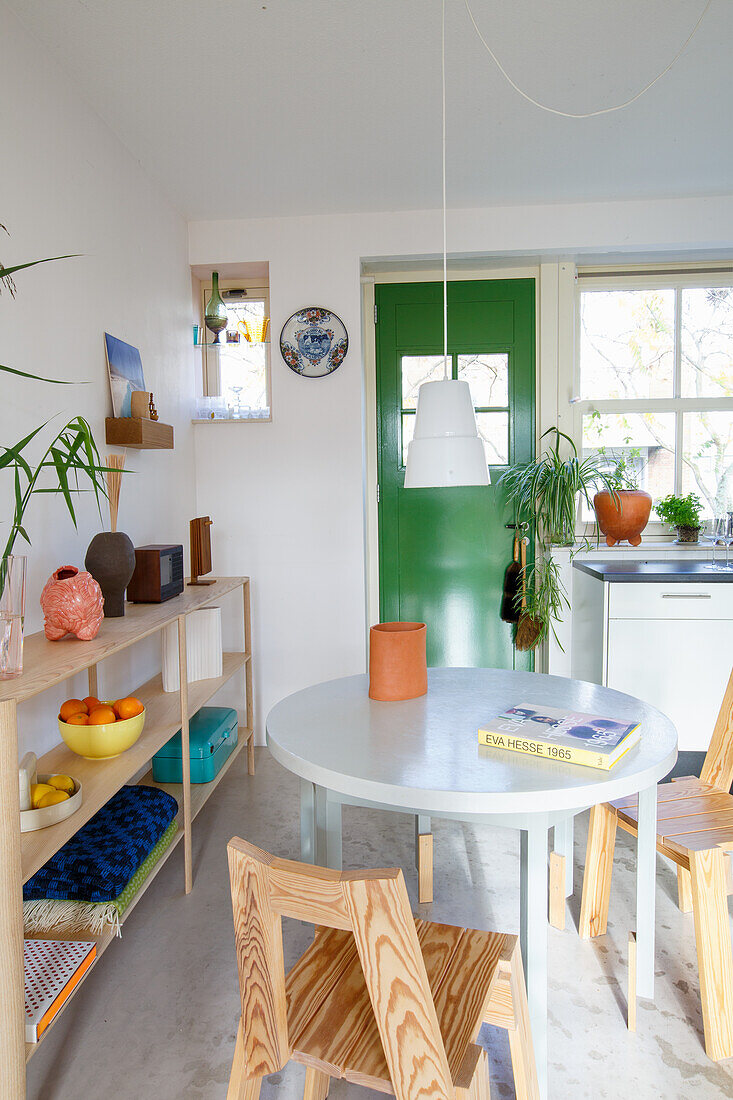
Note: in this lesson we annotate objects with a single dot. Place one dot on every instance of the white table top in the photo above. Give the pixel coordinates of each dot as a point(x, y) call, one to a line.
point(423, 754)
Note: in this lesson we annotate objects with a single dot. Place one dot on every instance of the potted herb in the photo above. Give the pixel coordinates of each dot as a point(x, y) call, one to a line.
point(683, 513)
point(545, 494)
point(622, 514)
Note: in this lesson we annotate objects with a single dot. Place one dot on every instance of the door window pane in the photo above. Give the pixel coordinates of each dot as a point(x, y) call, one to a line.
point(408, 430)
point(707, 459)
point(493, 428)
point(644, 440)
point(417, 369)
point(488, 377)
point(626, 344)
point(707, 342)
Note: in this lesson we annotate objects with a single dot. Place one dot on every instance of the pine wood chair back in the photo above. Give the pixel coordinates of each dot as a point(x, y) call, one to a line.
point(718, 766)
point(374, 906)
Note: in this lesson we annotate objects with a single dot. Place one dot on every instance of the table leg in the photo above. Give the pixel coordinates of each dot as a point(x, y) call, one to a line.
point(328, 830)
point(307, 822)
point(563, 844)
point(533, 938)
point(646, 871)
point(424, 858)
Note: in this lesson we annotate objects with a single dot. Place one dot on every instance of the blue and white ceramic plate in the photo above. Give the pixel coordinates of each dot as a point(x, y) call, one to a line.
point(314, 342)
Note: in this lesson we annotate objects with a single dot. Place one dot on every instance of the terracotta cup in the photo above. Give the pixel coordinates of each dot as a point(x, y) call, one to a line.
point(397, 662)
point(622, 517)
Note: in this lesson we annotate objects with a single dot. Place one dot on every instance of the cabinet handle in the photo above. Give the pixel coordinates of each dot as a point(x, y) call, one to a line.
point(686, 595)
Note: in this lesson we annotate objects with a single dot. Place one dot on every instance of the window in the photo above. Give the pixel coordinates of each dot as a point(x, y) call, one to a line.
point(237, 370)
point(488, 378)
point(656, 383)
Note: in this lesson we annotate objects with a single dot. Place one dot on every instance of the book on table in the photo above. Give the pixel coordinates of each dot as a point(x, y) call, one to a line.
point(53, 969)
point(570, 737)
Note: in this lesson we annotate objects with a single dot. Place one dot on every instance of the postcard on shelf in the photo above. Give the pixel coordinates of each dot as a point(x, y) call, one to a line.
point(53, 969)
point(568, 736)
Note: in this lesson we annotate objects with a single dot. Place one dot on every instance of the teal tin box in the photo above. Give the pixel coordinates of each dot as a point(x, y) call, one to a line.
point(212, 736)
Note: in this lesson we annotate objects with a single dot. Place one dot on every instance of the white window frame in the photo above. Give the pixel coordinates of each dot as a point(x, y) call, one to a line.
point(658, 278)
point(211, 382)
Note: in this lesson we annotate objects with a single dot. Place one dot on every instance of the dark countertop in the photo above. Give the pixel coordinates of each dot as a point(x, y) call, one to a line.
point(671, 572)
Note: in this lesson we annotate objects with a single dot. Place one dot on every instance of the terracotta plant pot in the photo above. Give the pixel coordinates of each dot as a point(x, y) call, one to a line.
point(622, 517)
point(72, 603)
point(397, 661)
point(111, 561)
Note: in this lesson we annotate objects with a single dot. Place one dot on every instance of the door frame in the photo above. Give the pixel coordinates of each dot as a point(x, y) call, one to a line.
point(554, 342)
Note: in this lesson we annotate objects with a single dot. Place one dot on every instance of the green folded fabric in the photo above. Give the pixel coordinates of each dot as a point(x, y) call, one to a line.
point(49, 915)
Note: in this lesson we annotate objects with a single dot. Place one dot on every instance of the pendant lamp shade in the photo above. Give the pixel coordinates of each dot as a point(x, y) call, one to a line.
point(445, 449)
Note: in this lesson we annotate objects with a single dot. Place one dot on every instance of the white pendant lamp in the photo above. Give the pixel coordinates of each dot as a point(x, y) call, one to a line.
point(446, 448)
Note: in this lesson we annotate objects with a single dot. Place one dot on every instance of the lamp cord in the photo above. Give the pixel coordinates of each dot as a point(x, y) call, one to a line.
point(445, 220)
point(571, 114)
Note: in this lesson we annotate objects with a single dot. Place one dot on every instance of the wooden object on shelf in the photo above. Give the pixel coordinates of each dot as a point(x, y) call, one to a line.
point(158, 573)
point(200, 549)
point(557, 890)
point(48, 664)
point(694, 830)
point(411, 996)
point(140, 404)
point(128, 431)
point(152, 411)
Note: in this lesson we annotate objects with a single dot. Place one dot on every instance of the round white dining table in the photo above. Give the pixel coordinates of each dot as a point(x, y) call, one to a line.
point(422, 756)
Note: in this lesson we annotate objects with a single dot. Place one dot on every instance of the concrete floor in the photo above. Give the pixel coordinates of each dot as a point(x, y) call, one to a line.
point(156, 1019)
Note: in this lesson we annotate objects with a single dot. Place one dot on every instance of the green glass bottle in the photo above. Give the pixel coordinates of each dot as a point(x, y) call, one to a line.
point(215, 315)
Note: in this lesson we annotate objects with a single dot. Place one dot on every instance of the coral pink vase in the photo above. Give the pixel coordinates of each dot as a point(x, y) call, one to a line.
point(72, 603)
point(397, 661)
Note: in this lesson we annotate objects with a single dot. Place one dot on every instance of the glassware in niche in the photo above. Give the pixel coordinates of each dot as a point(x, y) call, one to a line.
point(215, 314)
point(12, 615)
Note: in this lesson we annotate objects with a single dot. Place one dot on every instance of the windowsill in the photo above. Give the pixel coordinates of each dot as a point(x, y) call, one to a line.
point(232, 420)
point(655, 544)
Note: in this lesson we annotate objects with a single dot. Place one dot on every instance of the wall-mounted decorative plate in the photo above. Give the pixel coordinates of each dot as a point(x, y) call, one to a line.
point(314, 342)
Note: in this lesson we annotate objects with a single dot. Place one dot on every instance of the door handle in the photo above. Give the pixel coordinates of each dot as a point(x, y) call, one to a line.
point(686, 596)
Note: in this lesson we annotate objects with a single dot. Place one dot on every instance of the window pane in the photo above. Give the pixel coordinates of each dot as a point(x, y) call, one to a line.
point(417, 369)
point(242, 365)
point(707, 459)
point(645, 441)
point(488, 377)
point(707, 342)
point(493, 428)
point(626, 344)
point(408, 430)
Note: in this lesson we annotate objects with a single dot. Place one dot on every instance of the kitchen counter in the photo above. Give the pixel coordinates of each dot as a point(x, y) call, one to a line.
point(668, 572)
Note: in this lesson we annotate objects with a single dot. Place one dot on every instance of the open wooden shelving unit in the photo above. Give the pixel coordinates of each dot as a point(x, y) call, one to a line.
point(48, 664)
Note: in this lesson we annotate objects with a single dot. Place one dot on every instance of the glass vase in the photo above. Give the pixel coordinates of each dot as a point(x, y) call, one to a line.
point(12, 615)
point(215, 315)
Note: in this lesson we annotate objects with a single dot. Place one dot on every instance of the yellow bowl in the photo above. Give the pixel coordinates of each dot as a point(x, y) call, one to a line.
point(103, 742)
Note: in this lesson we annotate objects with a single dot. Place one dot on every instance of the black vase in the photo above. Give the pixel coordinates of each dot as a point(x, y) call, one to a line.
point(111, 561)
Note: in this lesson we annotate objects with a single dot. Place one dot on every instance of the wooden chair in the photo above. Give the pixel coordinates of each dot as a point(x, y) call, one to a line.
point(695, 830)
point(378, 998)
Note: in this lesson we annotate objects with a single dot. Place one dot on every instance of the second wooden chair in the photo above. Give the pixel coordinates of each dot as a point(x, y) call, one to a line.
point(378, 998)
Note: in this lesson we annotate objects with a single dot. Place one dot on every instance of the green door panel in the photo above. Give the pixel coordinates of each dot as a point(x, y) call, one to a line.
point(443, 552)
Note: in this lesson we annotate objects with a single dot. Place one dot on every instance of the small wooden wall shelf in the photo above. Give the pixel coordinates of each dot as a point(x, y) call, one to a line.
point(132, 431)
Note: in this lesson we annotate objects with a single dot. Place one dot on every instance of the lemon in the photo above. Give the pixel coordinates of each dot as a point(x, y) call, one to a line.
point(52, 799)
point(38, 790)
point(62, 783)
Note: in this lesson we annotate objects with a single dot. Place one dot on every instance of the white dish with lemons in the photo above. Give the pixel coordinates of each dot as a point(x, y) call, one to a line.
point(45, 799)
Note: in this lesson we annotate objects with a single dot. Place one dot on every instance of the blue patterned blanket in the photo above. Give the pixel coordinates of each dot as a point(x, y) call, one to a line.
point(99, 860)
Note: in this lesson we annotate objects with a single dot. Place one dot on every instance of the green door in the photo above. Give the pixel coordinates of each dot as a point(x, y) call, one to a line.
point(443, 552)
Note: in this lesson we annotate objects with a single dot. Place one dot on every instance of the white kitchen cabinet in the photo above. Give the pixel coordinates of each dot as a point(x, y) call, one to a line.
point(668, 642)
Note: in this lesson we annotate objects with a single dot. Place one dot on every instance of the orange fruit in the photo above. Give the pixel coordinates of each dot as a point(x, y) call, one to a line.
point(71, 706)
point(77, 720)
point(101, 716)
point(128, 708)
point(91, 702)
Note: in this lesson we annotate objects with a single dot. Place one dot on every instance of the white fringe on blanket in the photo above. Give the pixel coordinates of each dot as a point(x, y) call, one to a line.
point(47, 915)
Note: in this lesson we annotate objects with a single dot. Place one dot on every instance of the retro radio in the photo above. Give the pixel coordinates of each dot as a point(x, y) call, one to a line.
point(158, 574)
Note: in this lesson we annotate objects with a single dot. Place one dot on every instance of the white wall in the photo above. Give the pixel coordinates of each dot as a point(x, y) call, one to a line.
point(287, 497)
point(69, 186)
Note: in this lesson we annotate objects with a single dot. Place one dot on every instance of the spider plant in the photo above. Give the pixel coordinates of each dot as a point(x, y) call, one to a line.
point(545, 494)
point(71, 458)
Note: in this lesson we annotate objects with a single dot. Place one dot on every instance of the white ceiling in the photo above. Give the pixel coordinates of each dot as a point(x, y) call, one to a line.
point(247, 108)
